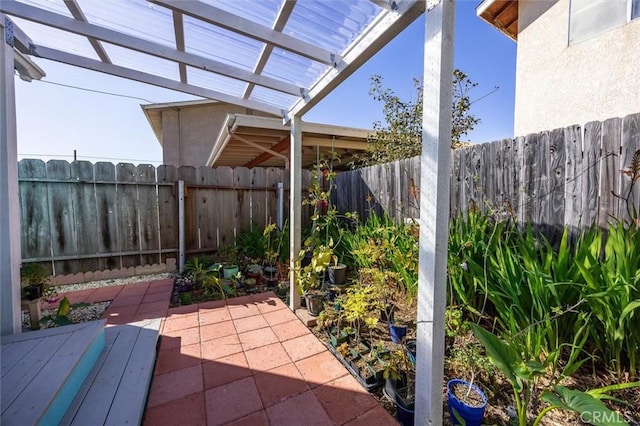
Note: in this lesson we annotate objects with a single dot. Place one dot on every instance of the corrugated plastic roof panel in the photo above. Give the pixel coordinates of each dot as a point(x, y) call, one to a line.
point(282, 50)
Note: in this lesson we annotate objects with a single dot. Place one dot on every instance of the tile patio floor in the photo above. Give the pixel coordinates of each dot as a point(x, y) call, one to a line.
point(243, 361)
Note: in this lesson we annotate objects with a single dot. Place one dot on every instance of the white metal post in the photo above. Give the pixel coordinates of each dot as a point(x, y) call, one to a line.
point(295, 206)
point(181, 254)
point(435, 167)
point(280, 202)
point(9, 202)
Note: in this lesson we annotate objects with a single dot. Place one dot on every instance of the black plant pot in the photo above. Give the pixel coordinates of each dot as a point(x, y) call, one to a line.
point(315, 303)
point(33, 292)
point(338, 274)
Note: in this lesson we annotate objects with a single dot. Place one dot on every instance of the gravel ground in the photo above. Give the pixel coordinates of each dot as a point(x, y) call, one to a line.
point(93, 311)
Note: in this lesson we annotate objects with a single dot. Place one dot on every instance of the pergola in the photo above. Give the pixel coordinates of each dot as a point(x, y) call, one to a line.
point(276, 56)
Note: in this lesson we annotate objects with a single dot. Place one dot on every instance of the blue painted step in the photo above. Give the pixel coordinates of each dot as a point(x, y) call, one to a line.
point(43, 370)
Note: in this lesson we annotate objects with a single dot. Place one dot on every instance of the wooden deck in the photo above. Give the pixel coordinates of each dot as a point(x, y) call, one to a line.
point(78, 375)
point(43, 370)
point(115, 393)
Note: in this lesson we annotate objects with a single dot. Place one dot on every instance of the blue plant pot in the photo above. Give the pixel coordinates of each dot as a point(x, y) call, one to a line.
point(472, 416)
point(404, 416)
point(397, 332)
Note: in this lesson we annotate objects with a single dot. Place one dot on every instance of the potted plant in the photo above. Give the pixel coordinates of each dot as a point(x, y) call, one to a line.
point(34, 278)
point(399, 374)
point(466, 403)
point(309, 278)
point(338, 274)
point(228, 254)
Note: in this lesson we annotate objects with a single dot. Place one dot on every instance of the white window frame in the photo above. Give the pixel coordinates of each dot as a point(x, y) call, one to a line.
point(578, 38)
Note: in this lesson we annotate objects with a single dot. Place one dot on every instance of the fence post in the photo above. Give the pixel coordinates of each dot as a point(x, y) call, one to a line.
point(280, 203)
point(181, 225)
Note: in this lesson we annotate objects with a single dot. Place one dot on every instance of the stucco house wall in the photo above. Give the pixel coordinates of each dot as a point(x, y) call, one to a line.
point(189, 131)
point(558, 85)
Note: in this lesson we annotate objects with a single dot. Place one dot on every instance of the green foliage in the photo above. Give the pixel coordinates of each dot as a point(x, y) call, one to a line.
point(382, 244)
point(197, 268)
point(400, 136)
point(61, 317)
point(522, 373)
point(252, 243)
point(33, 274)
point(612, 293)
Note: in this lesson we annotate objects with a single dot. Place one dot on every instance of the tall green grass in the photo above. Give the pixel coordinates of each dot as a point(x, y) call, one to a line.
point(550, 299)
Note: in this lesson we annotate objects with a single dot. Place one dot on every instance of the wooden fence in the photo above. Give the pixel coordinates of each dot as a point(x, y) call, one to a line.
point(571, 176)
point(80, 217)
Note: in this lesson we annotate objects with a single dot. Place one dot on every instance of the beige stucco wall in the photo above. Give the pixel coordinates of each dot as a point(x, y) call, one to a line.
point(189, 132)
point(559, 85)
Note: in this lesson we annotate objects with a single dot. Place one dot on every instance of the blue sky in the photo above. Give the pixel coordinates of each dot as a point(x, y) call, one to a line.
point(54, 120)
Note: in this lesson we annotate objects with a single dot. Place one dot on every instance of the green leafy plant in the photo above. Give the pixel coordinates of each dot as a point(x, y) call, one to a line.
point(523, 373)
point(252, 243)
point(400, 135)
point(61, 317)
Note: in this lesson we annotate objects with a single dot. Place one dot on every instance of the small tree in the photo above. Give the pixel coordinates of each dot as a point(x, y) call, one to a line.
point(400, 136)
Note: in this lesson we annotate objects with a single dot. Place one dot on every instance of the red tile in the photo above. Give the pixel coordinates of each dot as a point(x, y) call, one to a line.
point(256, 338)
point(225, 370)
point(160, 284)
point(180, 322)
point(163, 289)
point(214, 316)
point(344, 399)
point(158, 313)
point(152, 306)
point(175, 385)
point(261, 297)
point(126, 300)
point(214, 304)
point(279, 384)
point(135, 289)
point(215, 331)
point(270, 304)
point(105, 293)
point(376, 416)
point(279, 316)
point(303, 347)
point(303, 409)
point(290, 330)
point(157, 297)
point(239, 301)
point(243, 311)
point(321, 368)
point(221, 347)
point(267, 357)
point(259, 418)
point(80, 296)
point(119, 319)
point(185, 411)
point(250, 323)
point(177, 358)
point(177, 338)
point(181, 310)
point(232, 401)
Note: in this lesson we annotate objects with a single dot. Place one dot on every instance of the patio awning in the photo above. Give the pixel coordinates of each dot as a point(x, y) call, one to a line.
point(502, 14)
point(251, 141)
point(275, 56)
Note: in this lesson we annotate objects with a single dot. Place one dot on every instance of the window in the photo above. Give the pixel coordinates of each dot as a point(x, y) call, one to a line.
point(588, 18)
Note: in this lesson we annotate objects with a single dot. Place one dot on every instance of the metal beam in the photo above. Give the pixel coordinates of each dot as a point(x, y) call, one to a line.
point(281, 20)
point(435, 167)
point(10, 319)
point(247, 28)
point(82, 62)
point(77, 13)
point(376, 36)
point(61, 22)
point(178, 29)
point(295, 207)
